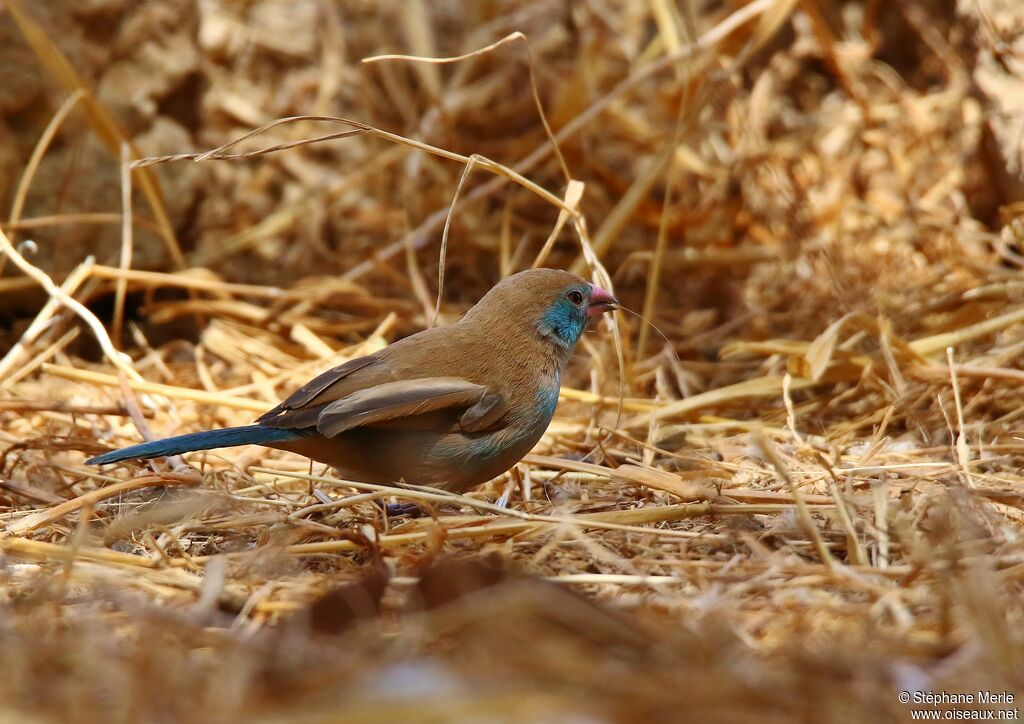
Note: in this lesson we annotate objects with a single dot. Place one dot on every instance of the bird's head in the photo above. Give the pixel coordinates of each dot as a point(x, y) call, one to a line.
point(555, 304)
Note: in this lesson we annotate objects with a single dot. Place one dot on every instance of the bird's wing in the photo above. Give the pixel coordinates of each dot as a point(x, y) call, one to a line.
point(381, 389)
point(303, 406)
point(485, 413)
point(401, 400)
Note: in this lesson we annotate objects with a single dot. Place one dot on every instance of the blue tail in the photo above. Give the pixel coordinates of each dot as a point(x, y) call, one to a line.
point(229, 437)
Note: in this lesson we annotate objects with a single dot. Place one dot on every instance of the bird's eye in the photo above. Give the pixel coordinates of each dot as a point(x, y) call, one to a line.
point(575, 297)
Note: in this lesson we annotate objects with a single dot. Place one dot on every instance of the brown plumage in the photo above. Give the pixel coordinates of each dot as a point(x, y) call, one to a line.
point(450, 407)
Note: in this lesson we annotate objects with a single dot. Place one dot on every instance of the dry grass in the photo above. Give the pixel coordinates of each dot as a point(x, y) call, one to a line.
point(802, 500)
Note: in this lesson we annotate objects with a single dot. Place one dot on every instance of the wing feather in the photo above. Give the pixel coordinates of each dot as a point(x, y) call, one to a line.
point(393, 400)
point(490, 408)
point(303, 406)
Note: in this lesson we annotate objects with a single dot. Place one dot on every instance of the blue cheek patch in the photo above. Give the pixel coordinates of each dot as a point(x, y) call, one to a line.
point(563, 324)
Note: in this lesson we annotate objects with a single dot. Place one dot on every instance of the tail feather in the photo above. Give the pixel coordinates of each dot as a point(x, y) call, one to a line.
point(228, 437)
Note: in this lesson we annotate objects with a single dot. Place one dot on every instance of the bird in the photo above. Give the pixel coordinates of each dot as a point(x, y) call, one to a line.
point(449, 407)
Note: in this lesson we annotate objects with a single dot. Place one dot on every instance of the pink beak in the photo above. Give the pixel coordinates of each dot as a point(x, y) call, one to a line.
point(601, 301)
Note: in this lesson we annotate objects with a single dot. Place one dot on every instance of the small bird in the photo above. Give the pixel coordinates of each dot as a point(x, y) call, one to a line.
point(449, 407)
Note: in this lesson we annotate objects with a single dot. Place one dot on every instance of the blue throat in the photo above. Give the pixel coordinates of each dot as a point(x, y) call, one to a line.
point(563, 324)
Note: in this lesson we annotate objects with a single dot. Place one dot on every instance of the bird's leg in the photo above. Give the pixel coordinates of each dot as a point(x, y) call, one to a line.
point(515, 478)
point(506, 496)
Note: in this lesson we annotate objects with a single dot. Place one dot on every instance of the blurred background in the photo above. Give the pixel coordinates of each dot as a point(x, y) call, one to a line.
point(810, 199)
point(873, 141)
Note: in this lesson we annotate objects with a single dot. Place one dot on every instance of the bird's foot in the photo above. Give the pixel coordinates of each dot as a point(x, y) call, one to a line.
point(395, 510)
